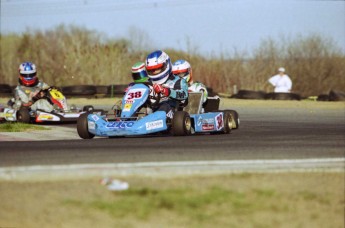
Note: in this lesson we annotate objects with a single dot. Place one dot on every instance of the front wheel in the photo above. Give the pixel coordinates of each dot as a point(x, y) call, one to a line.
point(181, 124)
point(23, 115)
point(82, 127)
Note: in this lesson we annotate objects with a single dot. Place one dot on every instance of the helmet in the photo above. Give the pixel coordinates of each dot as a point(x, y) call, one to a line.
point(139, 73)
point(183, 69)
point(281, 69)
point(158, 66)
point(27, 74)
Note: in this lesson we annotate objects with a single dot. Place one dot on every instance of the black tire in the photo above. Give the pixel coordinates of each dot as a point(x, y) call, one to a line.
point(181, 124)
point(23, 115)
point(235, 119)
point(82, 127)
point(5, 88)
point(227, 119)
point(249, 94)
point(283, 96)
point(79, 90)
point(88, 108)
point(323, 97)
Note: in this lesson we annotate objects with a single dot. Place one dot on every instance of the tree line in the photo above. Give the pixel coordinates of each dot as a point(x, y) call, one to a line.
point(76, 56)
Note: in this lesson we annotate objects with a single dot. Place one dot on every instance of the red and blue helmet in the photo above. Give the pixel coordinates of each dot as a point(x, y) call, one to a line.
point(183, 69)
point(27, 74)
point(158, 66)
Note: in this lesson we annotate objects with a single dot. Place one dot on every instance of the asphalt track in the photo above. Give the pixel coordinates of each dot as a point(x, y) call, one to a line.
point(265, 133)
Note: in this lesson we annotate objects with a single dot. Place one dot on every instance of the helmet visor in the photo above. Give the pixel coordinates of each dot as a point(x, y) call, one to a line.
point(28, 76)
point(139, 76)
point(157, 69)
point(181, 73)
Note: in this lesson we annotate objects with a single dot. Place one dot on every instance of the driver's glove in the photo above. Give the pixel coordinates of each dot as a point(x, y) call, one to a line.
point(160, 89)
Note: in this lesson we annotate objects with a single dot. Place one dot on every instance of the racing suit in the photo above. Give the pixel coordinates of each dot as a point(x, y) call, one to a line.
point(178, 93)
point(25, 95)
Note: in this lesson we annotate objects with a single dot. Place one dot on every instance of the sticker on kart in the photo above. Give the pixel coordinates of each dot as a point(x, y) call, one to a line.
point(120, 125)
point(219, 121)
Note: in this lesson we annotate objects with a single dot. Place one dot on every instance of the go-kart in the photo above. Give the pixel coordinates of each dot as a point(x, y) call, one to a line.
point(61, 111)
point(135, 118)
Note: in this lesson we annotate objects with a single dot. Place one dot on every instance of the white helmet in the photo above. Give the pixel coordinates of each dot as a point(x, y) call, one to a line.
point(158, 66)
point(281, 69)
point(27, 74)
point(183, 69)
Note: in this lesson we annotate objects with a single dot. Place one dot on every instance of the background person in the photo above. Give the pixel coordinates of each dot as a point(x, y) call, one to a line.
point(281, 82)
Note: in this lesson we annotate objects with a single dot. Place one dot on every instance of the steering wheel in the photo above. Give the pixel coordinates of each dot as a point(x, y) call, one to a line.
point(156, 99)
point(41, 94)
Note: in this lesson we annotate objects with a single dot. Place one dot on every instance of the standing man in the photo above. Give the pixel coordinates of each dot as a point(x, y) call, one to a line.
point(281, 82)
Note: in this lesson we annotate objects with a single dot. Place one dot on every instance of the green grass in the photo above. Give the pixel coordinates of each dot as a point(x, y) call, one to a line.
point(19, 127)
point(191, 203)
point(229, 200)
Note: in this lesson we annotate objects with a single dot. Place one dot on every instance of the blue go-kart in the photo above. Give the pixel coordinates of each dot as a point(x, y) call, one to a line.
point(137, 118)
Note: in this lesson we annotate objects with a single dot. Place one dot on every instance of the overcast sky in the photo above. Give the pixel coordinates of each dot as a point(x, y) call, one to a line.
point(211, 26)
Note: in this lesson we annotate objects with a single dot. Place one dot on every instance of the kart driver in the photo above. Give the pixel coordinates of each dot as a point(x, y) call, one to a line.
point(139, 75)
point(183, 69)
point(28, 91)
point(173, 89)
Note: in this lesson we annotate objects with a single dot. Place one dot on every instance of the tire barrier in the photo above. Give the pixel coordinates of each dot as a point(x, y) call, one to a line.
point(115, 90)
point(98, 91)
point(95, 91)
point(323, 97)
point(283, 96)
point(336, 96)
point(333, 95)
point(79, 90)
point(250, 94)
point(260, 95)
point(5, 89)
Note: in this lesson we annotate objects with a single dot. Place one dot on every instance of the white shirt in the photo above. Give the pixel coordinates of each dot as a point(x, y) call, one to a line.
point(282, 83)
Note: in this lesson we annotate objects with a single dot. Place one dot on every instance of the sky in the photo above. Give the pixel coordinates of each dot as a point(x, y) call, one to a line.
point(205, 26)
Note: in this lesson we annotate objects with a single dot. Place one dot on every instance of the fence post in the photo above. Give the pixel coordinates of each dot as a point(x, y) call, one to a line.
point(112, 91)
point(234, 89)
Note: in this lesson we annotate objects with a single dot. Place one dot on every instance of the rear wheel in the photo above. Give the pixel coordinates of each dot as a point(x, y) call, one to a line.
point(228, 123)
point(82, 127)
point(88, 108)
point(235, 119)
point(181, 124)
point(23, 115)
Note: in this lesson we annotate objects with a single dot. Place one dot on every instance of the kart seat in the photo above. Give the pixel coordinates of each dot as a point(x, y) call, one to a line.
point(212, 104)
point(194, 105)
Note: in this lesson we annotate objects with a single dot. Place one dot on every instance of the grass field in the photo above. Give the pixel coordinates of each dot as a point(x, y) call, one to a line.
point(309, 199)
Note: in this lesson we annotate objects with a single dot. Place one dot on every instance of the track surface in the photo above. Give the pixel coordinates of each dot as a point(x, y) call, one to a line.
point(264, 134)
